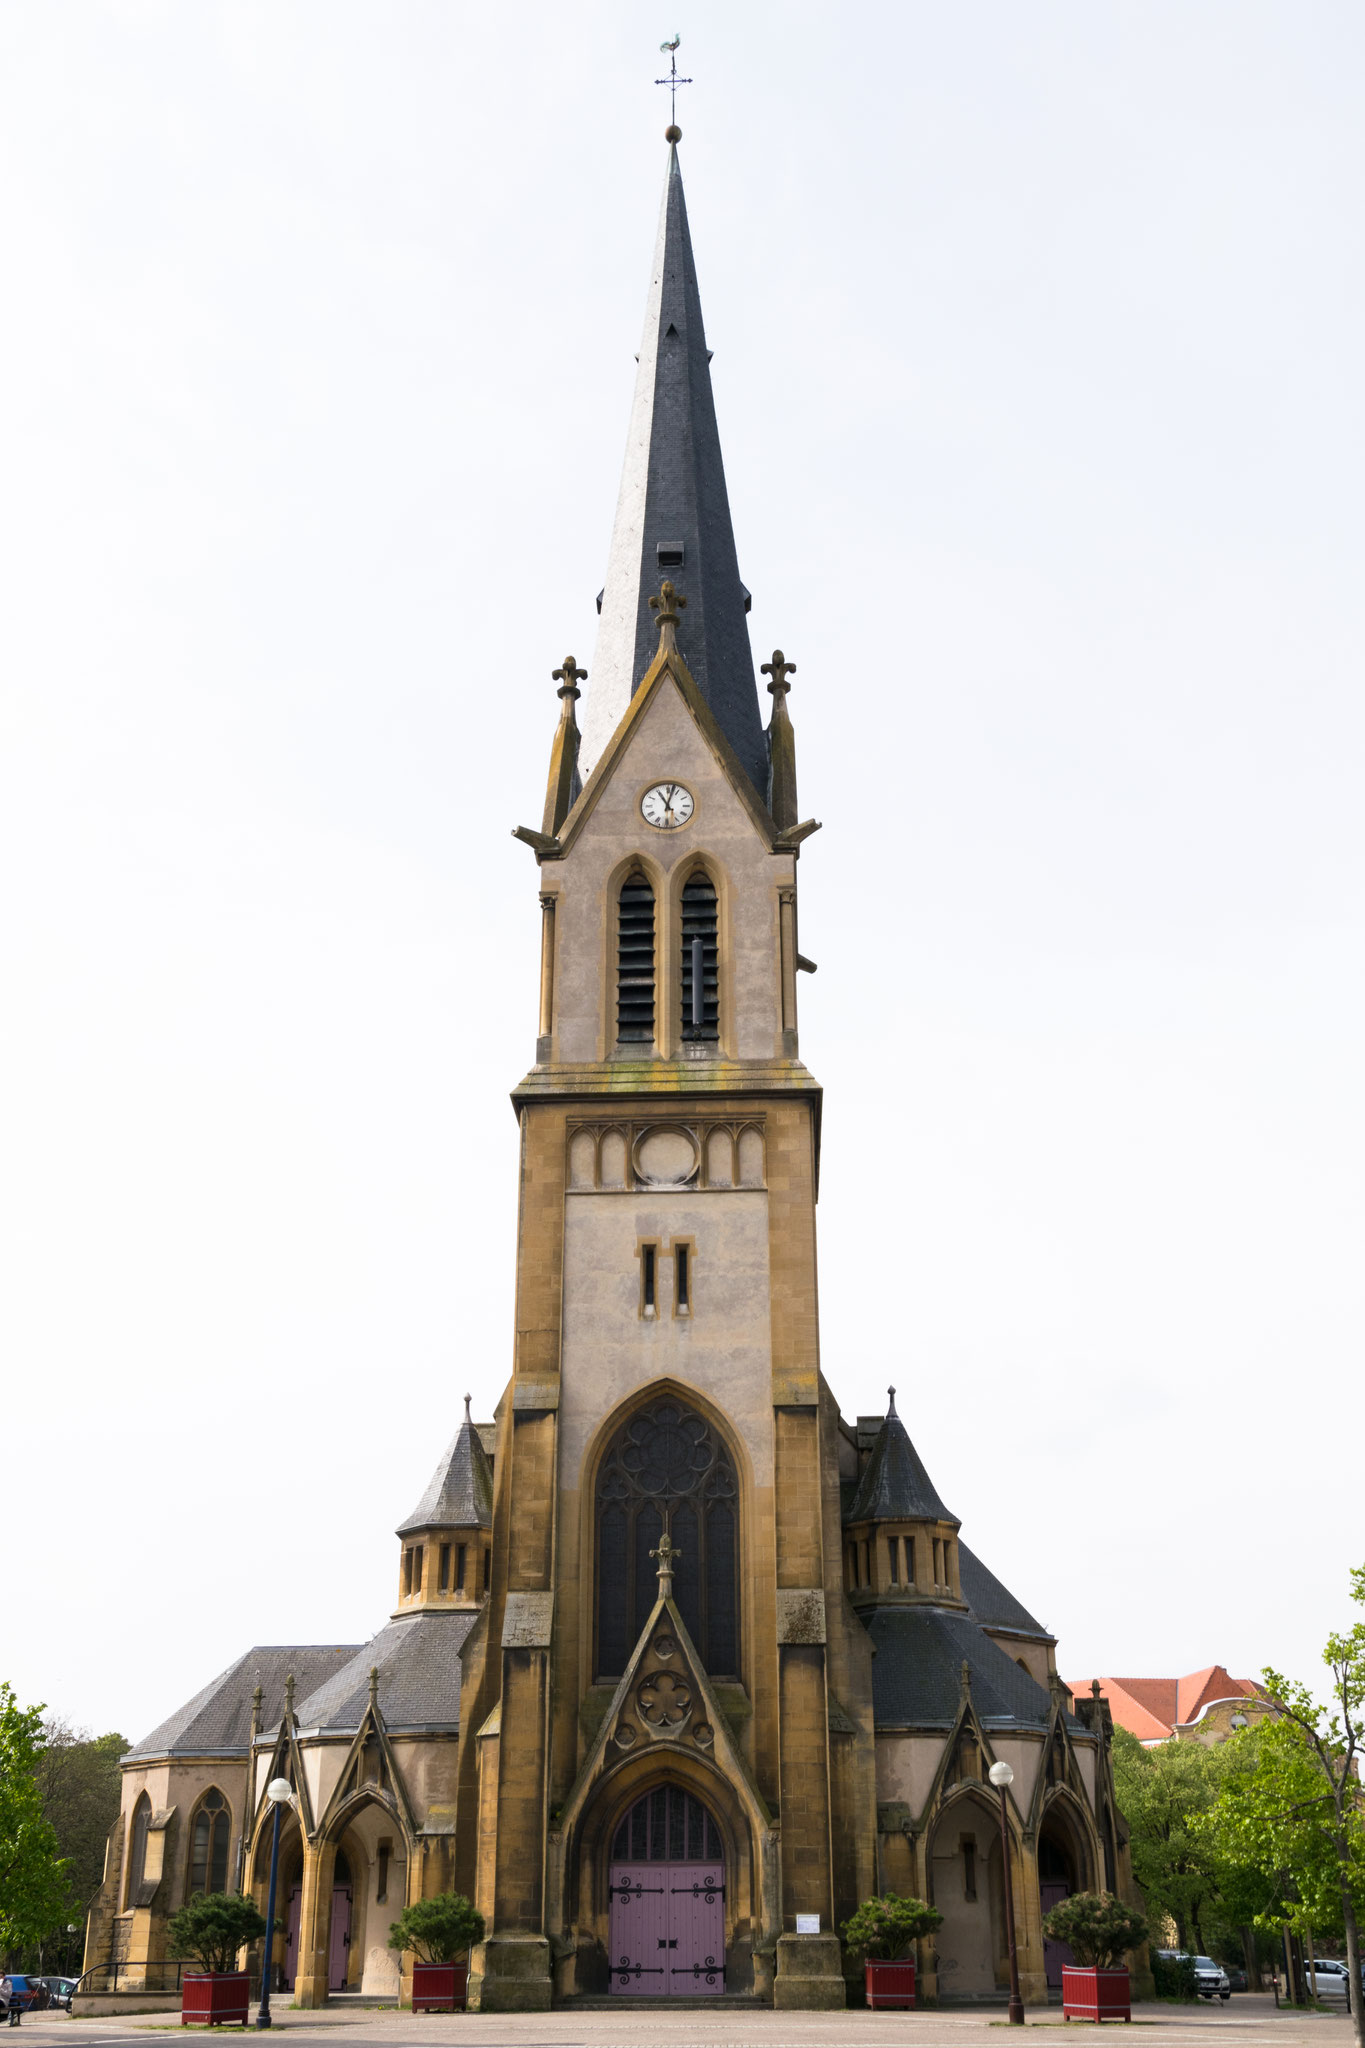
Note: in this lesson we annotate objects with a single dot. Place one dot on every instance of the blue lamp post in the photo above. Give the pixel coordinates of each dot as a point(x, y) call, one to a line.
point(278, 1792)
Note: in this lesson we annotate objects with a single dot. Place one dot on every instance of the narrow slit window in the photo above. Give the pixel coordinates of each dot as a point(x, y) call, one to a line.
point(866, 1563)
point(649, 1278)
point(487, 1568)
point(682, 1265)
point(381, 1890)
point(445, 1567)
point(700, 961)
point(635, 962)
point(461, 1551)
point(909, 1560)
point(968, 1868)
point(417, 1568)
point(893, 1545)
point(407, 1571)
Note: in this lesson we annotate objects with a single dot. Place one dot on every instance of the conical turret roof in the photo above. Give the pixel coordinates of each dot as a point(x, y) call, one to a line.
point(673, 520)
point(895, 1487)
point(460, 1494)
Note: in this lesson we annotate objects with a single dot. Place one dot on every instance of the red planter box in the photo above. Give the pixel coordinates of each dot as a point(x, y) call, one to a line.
point(890, 1986)
point(1095, 1994)
point(217, 2001)
point(439, 1987)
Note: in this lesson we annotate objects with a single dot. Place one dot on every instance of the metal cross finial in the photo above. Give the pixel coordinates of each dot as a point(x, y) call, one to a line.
point(779, 668)
point(569, 677)
point(672, 82)
point(667, 1553)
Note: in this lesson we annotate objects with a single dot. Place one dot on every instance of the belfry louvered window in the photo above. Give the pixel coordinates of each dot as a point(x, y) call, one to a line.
point(635, 962)
point(700, 961)
point(666, 1468)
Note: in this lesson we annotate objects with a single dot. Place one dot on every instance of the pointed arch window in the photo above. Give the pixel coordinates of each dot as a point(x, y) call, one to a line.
point(700, 959)
point(667, 1469)
point(137, 1850)
point(635, 961)
point(209, 1844)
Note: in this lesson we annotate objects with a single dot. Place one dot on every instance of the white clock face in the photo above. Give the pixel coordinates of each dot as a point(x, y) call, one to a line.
point(667, 806)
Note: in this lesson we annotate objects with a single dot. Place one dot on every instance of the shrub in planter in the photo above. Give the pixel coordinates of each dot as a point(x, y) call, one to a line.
point(1099, 1929)
point(880, 1935)
point(437, 1931)
point(210, 1931)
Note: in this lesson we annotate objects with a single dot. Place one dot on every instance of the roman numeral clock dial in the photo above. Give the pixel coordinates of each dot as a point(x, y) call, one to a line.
point(666, 806)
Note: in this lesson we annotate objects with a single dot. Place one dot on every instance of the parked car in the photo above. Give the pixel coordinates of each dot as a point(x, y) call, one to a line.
point(59, 1990)
point(25, 1992)
point(1237, 1977)
point(1211, 1979)
point(1329, 1979)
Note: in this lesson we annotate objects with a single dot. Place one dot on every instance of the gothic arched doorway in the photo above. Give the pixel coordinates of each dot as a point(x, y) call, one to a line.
point(1061, 1871)
point(667, 1892)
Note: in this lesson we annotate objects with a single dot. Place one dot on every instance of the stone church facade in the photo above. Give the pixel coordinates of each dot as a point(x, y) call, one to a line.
point(683, 1665)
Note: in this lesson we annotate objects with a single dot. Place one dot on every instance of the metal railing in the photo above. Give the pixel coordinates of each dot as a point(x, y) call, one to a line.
point(118, 1975)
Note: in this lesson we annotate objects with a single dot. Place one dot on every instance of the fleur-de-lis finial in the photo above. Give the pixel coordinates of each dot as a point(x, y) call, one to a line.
point(666, 607)
point(569, 677)
point(667, 1554)
point(779, 668)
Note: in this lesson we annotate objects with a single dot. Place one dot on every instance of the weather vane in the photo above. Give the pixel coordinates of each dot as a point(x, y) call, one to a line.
point(672, 81)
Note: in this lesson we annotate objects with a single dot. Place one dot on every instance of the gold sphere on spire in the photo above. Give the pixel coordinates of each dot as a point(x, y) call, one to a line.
point(672, 134)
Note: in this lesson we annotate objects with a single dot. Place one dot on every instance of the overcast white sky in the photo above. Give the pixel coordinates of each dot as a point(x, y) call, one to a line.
point(1038, 335)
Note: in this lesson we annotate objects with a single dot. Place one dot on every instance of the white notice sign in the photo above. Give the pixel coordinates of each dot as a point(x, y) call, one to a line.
point(808, 1923)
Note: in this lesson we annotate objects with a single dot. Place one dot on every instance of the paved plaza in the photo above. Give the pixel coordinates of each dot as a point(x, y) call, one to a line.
point(1248, 2022)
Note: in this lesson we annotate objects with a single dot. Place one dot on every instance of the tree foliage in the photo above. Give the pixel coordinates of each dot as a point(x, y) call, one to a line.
point(884, 1928)
point(1289, 1817)
point(35, 1891)
point(437, 1930)
point(1098, 1927)
point(1162, 1793)
point(213, 1928)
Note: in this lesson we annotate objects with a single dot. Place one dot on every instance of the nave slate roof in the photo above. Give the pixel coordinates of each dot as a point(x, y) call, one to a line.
point(991, 1603)
point(673, 520)
point(459, 1494)
point(218, 1718)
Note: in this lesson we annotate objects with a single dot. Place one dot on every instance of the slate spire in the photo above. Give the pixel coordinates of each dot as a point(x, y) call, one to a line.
point(895, 1486)
point(673, 519)
point(460, 1492)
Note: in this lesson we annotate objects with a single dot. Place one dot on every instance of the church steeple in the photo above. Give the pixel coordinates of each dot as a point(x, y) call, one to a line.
point(673, 518)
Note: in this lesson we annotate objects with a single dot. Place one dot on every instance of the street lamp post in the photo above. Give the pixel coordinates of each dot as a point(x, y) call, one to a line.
point(278, 1793)
point(1002, 1777)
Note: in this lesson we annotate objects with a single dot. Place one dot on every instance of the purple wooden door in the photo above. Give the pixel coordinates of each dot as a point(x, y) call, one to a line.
point(1051, 1892)
point(339, 1947)
point(639, 1929)
point(696, 1927)
point(291, 1938)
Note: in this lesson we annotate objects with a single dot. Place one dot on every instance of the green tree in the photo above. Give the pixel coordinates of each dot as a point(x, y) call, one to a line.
point(1290, 1814)
point(35, 1889)
point(78, 1783)
point(1161, 1793)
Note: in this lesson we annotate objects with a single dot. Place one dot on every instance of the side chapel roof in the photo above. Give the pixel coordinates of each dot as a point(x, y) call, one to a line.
point(673, 519)
point(218, 1718)
point(917, 1671)
point(418, 1659)
point(459, 1493)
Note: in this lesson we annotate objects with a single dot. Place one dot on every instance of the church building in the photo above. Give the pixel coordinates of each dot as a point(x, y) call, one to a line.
point(683, 1665)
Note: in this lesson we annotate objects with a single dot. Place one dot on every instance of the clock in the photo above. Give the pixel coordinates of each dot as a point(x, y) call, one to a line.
point(667, 806)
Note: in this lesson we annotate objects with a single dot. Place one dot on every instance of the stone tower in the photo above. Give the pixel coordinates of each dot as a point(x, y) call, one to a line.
point(666, 1280)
